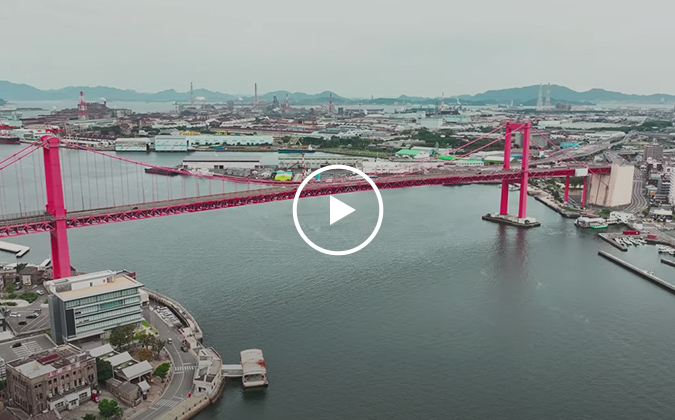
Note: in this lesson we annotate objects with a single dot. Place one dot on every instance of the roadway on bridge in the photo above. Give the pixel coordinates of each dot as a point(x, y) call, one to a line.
point(40, 222)
point(638, 200)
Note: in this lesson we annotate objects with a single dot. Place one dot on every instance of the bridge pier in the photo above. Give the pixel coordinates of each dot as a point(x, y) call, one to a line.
point(522, 205)
point(56, 208)
point(584, 193)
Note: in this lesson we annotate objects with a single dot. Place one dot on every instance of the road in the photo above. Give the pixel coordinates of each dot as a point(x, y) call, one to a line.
point(638, 201)
point(183, 366)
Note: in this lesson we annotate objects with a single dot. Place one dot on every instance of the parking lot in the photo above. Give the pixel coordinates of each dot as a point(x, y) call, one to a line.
point(31, 318)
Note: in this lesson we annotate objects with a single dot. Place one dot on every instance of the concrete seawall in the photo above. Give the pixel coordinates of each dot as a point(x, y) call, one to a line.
point(668, 262)
point(640, 272)
point(179, 310)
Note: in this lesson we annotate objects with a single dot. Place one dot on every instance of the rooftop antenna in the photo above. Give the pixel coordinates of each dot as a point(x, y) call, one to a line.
point(82, 108)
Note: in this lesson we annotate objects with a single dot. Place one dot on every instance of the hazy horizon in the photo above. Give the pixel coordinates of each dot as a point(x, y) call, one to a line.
point(354, 48)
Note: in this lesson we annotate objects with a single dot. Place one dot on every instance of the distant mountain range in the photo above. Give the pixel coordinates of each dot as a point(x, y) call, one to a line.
point(519, 96)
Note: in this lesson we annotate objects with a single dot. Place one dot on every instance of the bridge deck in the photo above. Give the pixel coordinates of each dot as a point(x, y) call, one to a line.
point(42, 222)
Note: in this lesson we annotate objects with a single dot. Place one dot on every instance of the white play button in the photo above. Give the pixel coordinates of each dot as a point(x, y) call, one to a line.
point(338, 210)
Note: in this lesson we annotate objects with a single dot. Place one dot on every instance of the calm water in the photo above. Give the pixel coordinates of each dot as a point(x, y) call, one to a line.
point(441, 316)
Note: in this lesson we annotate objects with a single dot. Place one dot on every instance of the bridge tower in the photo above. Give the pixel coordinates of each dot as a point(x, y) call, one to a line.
point(56, 208)
point(524, 173)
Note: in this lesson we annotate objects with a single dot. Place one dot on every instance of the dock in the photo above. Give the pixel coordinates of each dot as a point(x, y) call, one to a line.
point(605, 237)
point(640, 272)
point(19, 250)
point(511, 220)
point(668, 262)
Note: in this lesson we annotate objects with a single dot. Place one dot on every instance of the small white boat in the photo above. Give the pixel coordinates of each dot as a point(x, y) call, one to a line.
point(254, 370)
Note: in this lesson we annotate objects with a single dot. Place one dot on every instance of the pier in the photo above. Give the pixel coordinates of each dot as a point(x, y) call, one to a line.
point(610, 240)
point(507, 219)
point(668, 262)
point(640, 272)
point(19, 250)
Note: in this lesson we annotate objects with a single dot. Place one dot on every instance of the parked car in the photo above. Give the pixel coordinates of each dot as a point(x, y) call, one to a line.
point(32, 316)
point(22, 322)
point(15, 315)
point(40, 292)
point(15, 345)
point(95, 398)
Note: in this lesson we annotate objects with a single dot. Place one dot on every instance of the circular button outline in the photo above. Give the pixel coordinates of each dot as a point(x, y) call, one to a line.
point(365, 243)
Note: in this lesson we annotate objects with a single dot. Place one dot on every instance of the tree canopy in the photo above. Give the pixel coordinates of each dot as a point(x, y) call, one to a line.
point(104, 370)
point(109, 408)
point(122, 336)
point(162, 370)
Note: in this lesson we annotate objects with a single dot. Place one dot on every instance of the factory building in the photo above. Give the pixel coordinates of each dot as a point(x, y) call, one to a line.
point(316, 162)
point(92, 304)
point(220, 140)
point(387, 167)
point(139, 144)
point(170, 143)
point(217, 163)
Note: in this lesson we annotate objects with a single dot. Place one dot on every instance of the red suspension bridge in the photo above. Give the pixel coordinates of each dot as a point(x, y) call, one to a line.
point(69, 186)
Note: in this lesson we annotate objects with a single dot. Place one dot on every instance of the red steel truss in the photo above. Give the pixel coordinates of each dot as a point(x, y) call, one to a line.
point(47, 223)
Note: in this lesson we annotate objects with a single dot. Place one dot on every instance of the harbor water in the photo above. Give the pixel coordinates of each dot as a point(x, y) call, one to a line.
point(442, 316)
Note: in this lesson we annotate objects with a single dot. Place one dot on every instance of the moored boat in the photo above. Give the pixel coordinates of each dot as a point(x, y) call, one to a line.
point(253, 368)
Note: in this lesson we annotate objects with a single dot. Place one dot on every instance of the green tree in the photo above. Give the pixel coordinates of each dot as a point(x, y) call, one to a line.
point(162, 370)
point(20, 267)
point(10, 288)
point(157, 345)
point(122, 336)
point(109, 408)
point(145, 339)
point(89, 416)
point(104, 370)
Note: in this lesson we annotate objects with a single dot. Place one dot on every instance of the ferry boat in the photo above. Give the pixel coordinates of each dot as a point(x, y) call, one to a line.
point(254, 370)
point(591, 222)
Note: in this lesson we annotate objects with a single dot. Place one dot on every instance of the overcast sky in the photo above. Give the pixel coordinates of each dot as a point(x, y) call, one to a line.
point(356, 48)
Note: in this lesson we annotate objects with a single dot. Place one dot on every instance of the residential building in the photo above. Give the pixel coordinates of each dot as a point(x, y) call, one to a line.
point(91, 304)
point(208, 371)
point(654, 151)
point(55, 379)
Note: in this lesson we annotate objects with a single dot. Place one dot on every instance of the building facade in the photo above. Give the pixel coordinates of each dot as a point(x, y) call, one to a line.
point(654, 151)
point(615, 189)
point(56, 379)
point(92, 304)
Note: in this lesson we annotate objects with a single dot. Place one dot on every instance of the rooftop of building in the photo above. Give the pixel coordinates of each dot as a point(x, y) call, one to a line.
point(221, 159)
point(75, 287)
point(48, 361)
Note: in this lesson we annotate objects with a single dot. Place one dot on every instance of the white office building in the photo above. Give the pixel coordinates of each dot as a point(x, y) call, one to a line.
point(92, 304)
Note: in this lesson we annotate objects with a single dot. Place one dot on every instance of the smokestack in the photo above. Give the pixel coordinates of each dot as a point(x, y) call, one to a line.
point(255, 97)
point(82, 108)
